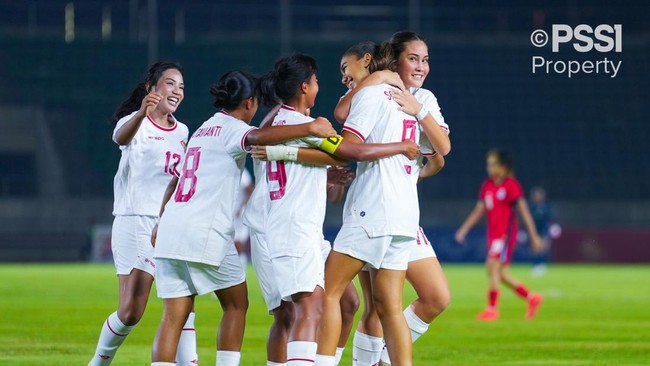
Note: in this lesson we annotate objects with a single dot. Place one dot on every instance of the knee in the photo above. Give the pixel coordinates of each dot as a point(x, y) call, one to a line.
point(130, 314)
point(434, 304)
point(385, 307)
point(349, 307)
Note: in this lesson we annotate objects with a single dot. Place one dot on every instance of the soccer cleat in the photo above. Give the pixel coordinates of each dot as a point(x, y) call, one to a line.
point(533, 303)
point(488, 315)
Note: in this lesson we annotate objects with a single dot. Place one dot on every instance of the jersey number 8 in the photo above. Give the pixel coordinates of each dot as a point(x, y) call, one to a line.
point(189, 175)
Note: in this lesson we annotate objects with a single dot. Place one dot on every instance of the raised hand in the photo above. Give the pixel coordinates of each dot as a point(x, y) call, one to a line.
point(407, 102)
point(150, 102)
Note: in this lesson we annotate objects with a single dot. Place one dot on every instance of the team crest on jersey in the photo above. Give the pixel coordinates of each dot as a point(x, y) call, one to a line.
point(501, 194)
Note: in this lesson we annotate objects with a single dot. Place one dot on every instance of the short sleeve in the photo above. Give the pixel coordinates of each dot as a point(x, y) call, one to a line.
point(119, 125)
point(234, 136)
point(429, 100)
point(482, 191)
point(425, 146)
point(515, 192)
point(362, 117)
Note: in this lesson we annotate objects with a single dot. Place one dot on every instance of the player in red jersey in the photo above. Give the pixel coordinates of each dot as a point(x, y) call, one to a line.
point(500, 195)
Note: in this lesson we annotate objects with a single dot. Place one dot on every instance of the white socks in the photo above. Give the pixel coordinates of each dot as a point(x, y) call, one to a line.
point(162, 364)
point(417, 326)
point(366, 350)
point(271, 363)
point(228, 358)
point(323, 360)
point(186, 353)
point(339, 354)
point(301, 353)
point(113, 334)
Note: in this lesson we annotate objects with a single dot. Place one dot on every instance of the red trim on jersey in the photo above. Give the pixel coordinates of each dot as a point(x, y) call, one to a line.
point(224, 112)
point(287, 107)
point(429, 155)
point(114, 332)
point(243, 140)
point(167, 129)
point(357, 133)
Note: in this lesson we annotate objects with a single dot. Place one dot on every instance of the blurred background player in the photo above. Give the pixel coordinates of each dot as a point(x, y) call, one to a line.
point(242, 234)
point(500, 196)
point(544, 217)
point(153, 143)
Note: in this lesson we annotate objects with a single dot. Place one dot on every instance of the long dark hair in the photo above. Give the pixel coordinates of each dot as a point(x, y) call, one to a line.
point(391, 49)
point(281, 83)
point(151, 77)
point(233, 88)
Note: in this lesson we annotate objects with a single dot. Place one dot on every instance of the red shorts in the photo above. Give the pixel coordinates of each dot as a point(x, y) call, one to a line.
point(501, 248)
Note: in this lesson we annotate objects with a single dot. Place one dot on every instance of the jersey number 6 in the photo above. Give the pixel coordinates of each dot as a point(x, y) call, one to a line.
point(189, 174)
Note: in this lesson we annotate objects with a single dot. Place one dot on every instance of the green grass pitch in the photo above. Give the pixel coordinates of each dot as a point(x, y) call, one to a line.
point(592, 315)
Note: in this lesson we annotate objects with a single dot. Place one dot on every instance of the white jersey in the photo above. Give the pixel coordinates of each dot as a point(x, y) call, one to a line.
point(383, 197)
point(256, 213)
point(197, 225)
point(147, 165)
point(298, 196)
point(430, 102)
point(245, 182)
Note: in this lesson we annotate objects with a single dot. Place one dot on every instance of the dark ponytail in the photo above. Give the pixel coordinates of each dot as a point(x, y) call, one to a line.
point(282, 83)
point(367, 47)
point(391, 49)
point(134, 100)
point(233, 88)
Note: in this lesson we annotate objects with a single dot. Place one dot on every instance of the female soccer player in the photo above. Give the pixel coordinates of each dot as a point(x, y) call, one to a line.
point(152, 142)
point(500, 195)
point(408, 53)
point(194, 240)
point(297, 202)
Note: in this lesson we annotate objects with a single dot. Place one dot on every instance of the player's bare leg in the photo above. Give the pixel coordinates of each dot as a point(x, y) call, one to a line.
point(491, 313)
point(234, 302)
point(340, 270)
point(134, 295)
point(430, 283)
point(349, 306)
point(387, 288)
point(307, 310)
point(134, 290)
point(533, 299)
point(276, 344)
point(175, 313)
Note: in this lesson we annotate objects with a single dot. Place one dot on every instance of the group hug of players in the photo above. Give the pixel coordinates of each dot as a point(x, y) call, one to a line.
point(175, 205)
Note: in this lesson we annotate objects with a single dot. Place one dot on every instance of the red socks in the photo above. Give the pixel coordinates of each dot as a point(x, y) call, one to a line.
point(493, 296)
point(522, 291)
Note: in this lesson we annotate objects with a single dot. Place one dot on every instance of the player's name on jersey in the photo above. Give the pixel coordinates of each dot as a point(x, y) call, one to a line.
point(208, 131)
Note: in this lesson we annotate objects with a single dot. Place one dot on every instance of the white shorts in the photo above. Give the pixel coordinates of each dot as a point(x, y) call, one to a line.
point(422, 248)
point(261, 260)
point(382, 252)
point(325, 249)
point(177, 278)
point(302, 272)
point(131, 244)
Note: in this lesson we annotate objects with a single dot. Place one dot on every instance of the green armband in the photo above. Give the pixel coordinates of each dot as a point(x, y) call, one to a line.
point(330, 144)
